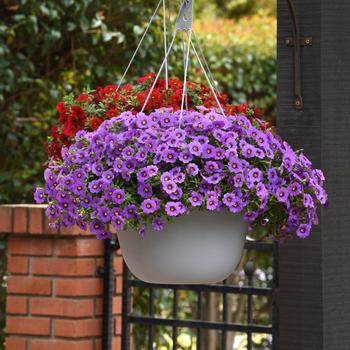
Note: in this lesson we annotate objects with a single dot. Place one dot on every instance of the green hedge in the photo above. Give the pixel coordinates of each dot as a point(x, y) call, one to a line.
point(51, 48)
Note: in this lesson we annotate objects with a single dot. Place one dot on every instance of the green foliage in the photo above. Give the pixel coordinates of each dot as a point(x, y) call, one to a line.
point(52, 48)
point(237, 8)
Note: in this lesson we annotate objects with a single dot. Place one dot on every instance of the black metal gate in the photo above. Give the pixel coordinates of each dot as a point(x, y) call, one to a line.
point(131, 319)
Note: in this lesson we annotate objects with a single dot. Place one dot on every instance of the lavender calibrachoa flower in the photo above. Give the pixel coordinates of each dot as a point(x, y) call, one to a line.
point(137, 171)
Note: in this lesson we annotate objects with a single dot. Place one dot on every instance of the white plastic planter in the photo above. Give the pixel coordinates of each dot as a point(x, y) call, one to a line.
point(202, 247)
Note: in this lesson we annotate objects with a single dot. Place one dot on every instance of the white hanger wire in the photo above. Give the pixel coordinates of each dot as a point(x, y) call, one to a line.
point(139, 44)
point(165, 45)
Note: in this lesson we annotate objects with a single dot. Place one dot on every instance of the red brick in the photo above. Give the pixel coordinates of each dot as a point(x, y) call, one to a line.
point(36, 220)
point(53, 344)
point(30, 246)
point(28, 285)
point(117, 343)
point(15, 344)
point(118, 265)
point(62, 307)
point(17, 264)
point(73, 231)
point(79, 247)
point(16, 305)
point(79, 287)
point(20, 221)
point(28, 325)
point(118, 284)
point(78, 328)
point(6, 219)
point(63, 267)
point(118, 325)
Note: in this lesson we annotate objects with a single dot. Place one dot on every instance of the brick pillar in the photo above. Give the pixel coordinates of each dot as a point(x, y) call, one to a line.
point(54, 289)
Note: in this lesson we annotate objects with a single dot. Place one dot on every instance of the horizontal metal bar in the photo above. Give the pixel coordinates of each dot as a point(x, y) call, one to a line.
point(200, 324)
point(215, 288)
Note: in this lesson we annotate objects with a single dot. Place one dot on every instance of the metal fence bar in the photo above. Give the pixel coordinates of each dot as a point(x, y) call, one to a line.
point(126, 304)
point(202, 324)
point(175, 317)
point(224, 319)
point(151, 313)
point(199, 317)
point(216, 288)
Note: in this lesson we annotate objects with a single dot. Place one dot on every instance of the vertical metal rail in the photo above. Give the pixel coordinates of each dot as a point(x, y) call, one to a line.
point(224, 318)
point(110, 246)
point(151, 313)
point(126, 295)
point(275, 286)
point(175, 317)
point(249, 271)
point(199, 317)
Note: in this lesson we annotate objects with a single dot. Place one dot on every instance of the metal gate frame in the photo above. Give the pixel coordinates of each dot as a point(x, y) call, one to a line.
point(128, 318)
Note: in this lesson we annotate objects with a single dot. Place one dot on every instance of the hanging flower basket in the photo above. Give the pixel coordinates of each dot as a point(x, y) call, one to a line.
point(139, 171)
point(180, 183)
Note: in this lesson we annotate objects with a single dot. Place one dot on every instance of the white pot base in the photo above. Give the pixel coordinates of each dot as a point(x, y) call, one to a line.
point(202, 247)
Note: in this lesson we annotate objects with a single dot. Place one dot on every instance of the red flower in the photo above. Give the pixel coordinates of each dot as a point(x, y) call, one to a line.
point(146, 77)
point(95, 123)
point(61, 108)
point(83, 98)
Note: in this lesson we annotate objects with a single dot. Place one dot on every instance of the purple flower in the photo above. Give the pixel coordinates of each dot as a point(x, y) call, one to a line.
point(118, 222)
point(130, 211)
point(149, 206)
point(157, 224)
point(118, 196)
point(95, 186)
point(195, 199)
point(39, 195)
point(97, 227)
point(52, 211)
point(238, 180)
point(170, 187)
point(141, 155)
point(97, 168)
point(212, 203)
point(255, 175)
point(179, 178)
point(211, 167)
point(303, 231)
point(108, 175)
point(128, 152)
point(282, 195)
point(261, 191)
point(235, 166)
point(176, 195)
point(143, 175)
point(172, 208)
point(170, 156)
point(118, 166)
point(219, 154)
point(250, 215)
point(195, 148)
point(308, 201)
point(142, 232)
point(248, 151)
point(208, 151)
point(144, 190)
point(79, 174)
point(236, 206)
point(228, 199)
point(166, 177)
point(185, 157)
point(294, 189)
point(272, 176)
point(192, 169)
point(103, 214)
